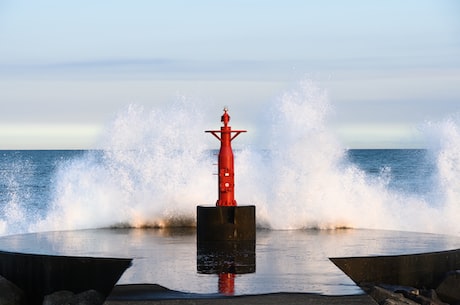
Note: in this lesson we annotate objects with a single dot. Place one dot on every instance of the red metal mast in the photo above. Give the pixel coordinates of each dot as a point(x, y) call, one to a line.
point(226, 183)
point(226, 233)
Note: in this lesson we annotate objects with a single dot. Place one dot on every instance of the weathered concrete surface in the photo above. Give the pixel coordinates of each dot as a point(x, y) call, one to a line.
point(150, 294)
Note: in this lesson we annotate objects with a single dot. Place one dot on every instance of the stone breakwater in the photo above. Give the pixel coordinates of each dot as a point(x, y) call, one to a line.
point(447, 292)
point(10, 294)
point(41, 275)
point(422, 278)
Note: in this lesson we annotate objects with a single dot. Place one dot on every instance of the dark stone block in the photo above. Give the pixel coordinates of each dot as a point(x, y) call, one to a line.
point(226, 223)
point(40, 275)
point(424, 270)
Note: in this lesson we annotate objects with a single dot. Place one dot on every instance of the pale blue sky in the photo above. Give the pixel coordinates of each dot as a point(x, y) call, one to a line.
point(67, 66)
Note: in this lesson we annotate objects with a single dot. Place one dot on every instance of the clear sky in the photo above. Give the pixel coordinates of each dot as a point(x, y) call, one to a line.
point(67, 66)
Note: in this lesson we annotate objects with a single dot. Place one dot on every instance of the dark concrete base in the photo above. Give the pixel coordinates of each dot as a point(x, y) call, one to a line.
point(414, 270)
point(40, 275)
point(226, 223)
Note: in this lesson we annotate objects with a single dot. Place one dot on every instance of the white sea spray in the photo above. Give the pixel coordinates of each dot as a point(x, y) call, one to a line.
point(155, 167)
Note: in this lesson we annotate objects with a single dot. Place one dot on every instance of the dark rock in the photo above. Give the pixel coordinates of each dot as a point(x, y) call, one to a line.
point(449, 289)
point(63, 297)
point(423, 300)
point(89, 297)
point(430, 293)
point(391, 301)
point(387, 297)
point(10, 294)
point(414, 294)
point(396, 295)
point(58, 298)
point(400, 289)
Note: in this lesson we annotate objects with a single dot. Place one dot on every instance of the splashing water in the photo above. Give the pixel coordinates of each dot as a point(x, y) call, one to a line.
point(308, 183)
point(444, 141)
point(12, 210)
point(19, 190)
point(153, 171)
point(156, 167)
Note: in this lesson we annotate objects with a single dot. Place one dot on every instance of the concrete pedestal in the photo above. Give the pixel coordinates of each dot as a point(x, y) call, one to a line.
point(225, 223)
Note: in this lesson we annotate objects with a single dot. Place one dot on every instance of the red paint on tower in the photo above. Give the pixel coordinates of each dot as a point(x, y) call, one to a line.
point(226, 183)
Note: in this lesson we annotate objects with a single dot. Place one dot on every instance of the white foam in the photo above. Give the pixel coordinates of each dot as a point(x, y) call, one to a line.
point(155, 168)
point(308, 183)
point(153, 171)
point(15, 214)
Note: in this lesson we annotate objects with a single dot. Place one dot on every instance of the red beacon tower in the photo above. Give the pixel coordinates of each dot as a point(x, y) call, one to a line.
point(226, 233)
point(226, 221)
point(226, 183)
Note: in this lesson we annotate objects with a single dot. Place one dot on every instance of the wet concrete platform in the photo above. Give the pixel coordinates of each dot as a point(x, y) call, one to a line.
point(285, 261)
point(156, 295)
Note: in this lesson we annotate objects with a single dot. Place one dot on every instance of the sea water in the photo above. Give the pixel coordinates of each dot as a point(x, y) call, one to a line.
point(30, 186)
point(154, 166)
point(314, 197)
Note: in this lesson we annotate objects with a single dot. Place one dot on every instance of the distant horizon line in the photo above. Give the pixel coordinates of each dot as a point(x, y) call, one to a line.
point(105, 149)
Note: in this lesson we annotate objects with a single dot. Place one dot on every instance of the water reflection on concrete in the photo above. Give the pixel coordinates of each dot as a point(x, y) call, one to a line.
point(288, 261)
point(226, 259)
